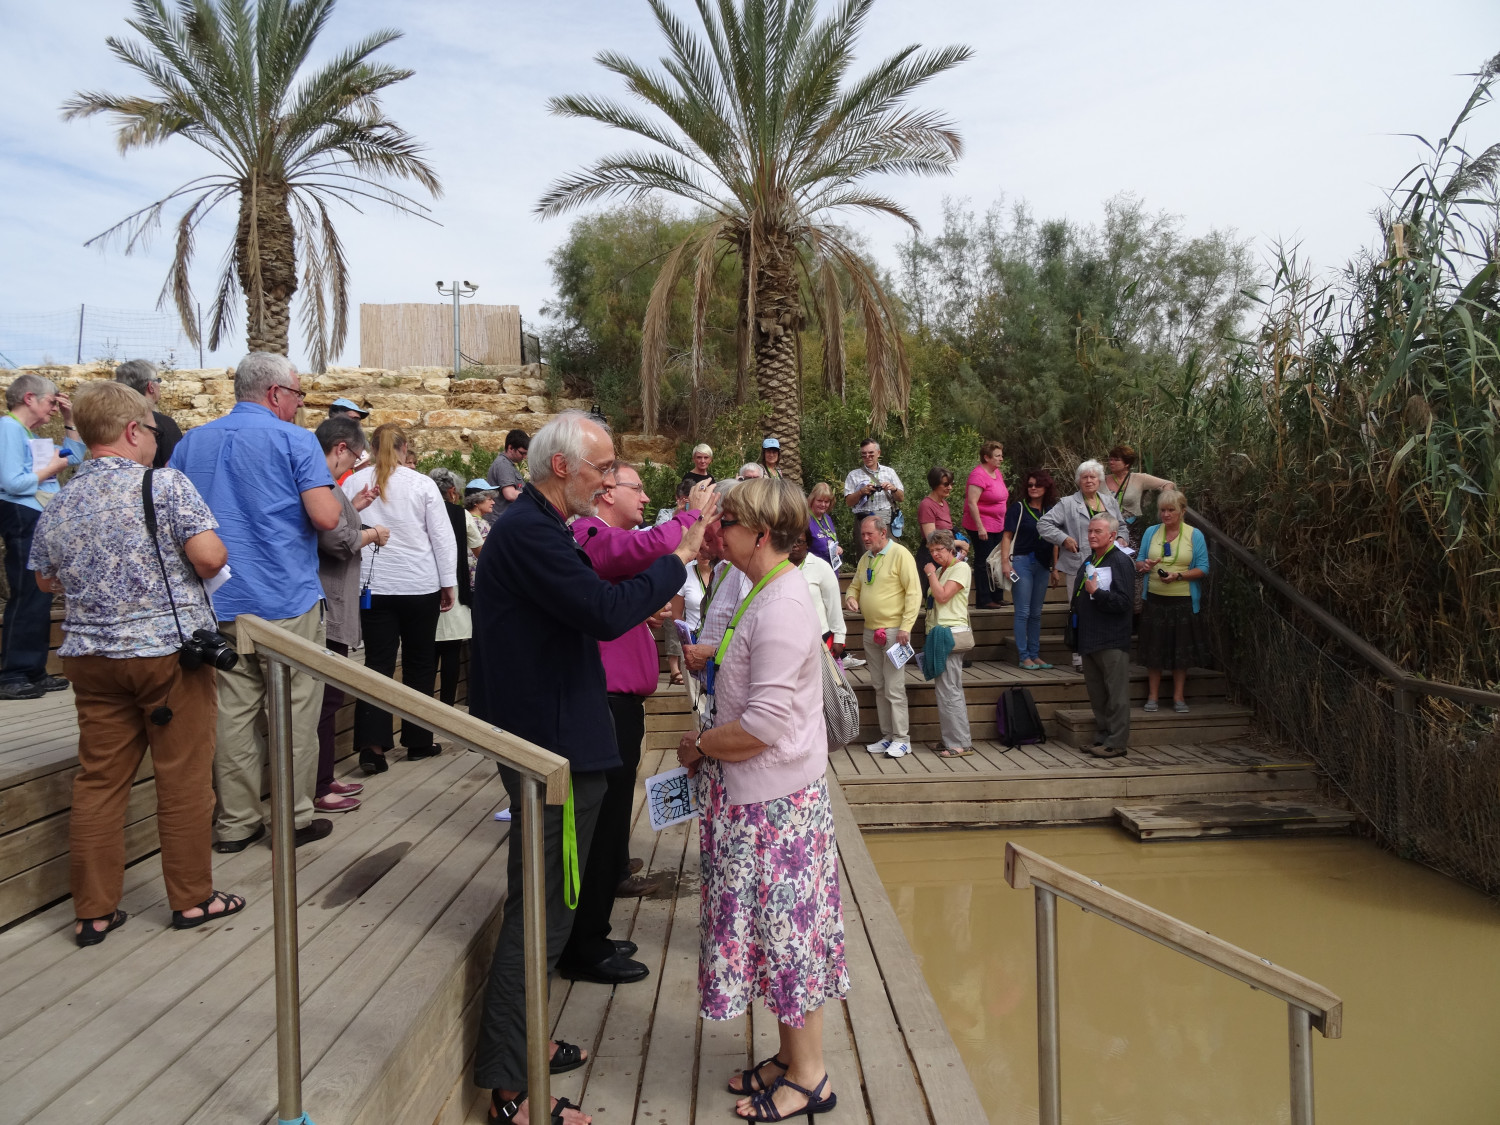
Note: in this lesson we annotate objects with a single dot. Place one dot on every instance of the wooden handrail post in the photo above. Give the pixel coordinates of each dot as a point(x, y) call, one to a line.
point(1300, 1045)
point(284, 895)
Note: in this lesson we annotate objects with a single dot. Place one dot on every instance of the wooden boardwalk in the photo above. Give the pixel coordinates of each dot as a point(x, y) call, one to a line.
point(398, 914)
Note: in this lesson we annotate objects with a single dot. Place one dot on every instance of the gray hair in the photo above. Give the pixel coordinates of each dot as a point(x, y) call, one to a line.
point(751, 470)
point(941, 537)
point(1109, 521)
point(344, 429)
point(703, 447)
point(27, 384)
point(446, 479)
point(882, 523)
point(137, 374)
point(1088, 467)
point(565, 434)
point(257, 373)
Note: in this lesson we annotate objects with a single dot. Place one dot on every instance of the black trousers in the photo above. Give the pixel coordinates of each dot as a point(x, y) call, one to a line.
point(408, 623)
point(609, 859)
point(500, 1060)
point(449, 655)
point(979, 555)
point(28, 612)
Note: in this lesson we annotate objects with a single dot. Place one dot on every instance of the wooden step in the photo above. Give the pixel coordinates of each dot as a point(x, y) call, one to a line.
point(1197, 820)
point(1205, 722)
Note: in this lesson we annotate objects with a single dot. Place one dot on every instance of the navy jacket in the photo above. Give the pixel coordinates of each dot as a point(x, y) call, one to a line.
point(1104, 620)
point(539, 612)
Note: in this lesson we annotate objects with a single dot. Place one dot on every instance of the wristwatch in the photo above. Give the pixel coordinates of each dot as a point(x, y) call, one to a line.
point(698, 745)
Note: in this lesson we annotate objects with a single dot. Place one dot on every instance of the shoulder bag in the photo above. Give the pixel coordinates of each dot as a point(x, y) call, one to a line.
point(840, 705)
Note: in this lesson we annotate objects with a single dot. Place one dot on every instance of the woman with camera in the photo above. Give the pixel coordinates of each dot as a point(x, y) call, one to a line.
point(140, 651)
point(1174, 557)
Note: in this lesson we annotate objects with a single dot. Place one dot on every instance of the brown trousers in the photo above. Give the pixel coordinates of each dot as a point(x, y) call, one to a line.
point(115, 699)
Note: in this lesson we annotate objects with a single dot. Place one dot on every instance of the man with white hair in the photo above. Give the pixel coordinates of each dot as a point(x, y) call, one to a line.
point(536, 591)
point(751, 470)
point(1099, 617)
point(141, 375)
point(887, 591)
point(267, 483)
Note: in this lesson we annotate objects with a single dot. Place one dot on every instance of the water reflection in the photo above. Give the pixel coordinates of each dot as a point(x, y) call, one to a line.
point(1152, 1038)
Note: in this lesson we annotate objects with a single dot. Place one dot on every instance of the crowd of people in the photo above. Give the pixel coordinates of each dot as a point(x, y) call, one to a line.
point(333, 536)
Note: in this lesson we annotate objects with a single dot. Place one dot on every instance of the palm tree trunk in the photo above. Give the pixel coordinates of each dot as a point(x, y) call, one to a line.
point(778, 316)
point(265, 249)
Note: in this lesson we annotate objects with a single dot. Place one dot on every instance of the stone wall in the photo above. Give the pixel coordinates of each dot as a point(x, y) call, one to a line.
point(441, 413)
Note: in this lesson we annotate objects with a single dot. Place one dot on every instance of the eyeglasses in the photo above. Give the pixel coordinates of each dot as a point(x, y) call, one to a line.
point(602, 470)
point(725, 524)
point(287, 387)
point(148, 426)
point(641, 488)
point(1038, 487)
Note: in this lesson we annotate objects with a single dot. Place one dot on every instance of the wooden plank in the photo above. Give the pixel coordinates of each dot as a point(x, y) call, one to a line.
point(1189, 820)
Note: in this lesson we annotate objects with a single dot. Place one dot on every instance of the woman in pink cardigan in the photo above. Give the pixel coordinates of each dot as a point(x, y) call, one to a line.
point(772, 926)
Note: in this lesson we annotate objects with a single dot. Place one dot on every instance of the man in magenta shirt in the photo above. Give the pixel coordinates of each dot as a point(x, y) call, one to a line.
point(631, 673)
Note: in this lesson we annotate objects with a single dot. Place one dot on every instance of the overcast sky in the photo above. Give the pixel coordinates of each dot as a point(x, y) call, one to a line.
point(1278, 119)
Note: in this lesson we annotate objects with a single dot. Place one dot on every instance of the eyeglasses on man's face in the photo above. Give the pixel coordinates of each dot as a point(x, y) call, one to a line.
point(155, 432)
point(638, 486)
point(288, 387)
point(603, 470)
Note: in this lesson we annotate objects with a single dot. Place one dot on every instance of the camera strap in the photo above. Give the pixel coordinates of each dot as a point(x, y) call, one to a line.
point(148, 502)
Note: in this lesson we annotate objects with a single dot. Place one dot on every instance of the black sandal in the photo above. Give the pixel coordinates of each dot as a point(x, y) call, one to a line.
point(747, 1077)
point(233, 904)
point(762, 1108)
point(507, 1110)
point(567, 1057)
point(88, 935)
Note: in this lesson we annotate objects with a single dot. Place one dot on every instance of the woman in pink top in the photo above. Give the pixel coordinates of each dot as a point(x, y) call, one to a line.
point(985, 498)
point(772, 926)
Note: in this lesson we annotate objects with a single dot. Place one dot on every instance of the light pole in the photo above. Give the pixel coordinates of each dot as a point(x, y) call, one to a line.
point(457, 291)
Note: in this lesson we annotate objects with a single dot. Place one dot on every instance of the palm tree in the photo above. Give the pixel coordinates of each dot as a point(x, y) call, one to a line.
point(226, 72)
point(763, 135)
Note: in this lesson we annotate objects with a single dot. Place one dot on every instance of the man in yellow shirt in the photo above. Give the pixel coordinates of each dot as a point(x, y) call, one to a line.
point(887, 590)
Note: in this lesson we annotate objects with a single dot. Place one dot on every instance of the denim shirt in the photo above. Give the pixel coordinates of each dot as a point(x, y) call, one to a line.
point(93, 540)
point(18, 482)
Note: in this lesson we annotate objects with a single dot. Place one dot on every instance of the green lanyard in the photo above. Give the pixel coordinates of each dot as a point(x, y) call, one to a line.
point(571, 880)
point(710, 588)
point(1091, 509)
point(871, 568)
point(1036, 517)
point(740, 612)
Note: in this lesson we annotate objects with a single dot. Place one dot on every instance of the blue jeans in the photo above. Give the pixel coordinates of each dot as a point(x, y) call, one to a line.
point(27, 624)
point(1027, 594)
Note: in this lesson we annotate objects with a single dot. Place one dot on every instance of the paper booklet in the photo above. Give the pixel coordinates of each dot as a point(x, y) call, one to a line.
point(43, 449)
point(670, 798)
point(899, 654)
point(1100, 574)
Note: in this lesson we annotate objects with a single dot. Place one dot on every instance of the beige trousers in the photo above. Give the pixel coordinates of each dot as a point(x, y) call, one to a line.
point(889, 683)
point(241, 753)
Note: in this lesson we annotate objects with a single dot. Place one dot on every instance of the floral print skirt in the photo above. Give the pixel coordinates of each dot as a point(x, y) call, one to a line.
point(771, 925)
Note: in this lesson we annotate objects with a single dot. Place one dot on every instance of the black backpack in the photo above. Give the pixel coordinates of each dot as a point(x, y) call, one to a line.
point(1017, 720)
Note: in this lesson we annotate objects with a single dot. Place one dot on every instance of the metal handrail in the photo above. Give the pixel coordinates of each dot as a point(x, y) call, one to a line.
point(544, 779)
point(1406, 684)
point(1309, 1005)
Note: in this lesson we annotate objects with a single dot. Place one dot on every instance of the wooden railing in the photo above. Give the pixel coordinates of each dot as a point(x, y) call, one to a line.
point(1309, 1005)
point(544, 779)
point(1405, 683)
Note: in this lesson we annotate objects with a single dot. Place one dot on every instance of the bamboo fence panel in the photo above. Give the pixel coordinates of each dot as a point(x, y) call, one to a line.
point(413, 335)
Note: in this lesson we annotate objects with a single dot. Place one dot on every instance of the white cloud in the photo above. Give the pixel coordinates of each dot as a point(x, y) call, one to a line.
point(1279, 119)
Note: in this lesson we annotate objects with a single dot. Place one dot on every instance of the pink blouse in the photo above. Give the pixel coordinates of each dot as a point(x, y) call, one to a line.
point(772, 684)
point(992, 499)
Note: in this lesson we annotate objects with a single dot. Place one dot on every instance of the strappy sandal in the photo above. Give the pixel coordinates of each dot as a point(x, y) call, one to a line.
point(567, 1057)
point(503, 1111)
point(955, 752)
point(762, 1108)
point(675, 678)
point(88, 935)
point(233, 904)
point(750, 1080)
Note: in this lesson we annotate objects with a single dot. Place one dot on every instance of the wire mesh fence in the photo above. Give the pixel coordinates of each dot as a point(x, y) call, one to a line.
point(1427, 780)
point(90, 333)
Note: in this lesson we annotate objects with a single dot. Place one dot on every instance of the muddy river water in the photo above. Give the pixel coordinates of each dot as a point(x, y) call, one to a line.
point(1150, 1037)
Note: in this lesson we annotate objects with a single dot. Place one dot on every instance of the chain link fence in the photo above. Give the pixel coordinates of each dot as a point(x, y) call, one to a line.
point(1427, 781)
point(89, 333)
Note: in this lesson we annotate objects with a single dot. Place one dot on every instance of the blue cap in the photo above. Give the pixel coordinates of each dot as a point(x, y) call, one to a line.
point(346, 404)
point(770, 443)
point(479, 484)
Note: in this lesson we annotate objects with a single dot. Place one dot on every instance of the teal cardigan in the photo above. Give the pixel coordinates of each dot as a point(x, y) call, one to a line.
point(1200, 559)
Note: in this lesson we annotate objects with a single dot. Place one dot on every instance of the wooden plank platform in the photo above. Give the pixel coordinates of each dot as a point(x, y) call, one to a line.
point(398, 914)
point(1197, 820)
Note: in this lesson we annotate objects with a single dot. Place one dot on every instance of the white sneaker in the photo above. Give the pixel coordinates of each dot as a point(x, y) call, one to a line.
point(1077, 662)
point(898, 750)
point(879, 747)
point(853, 662)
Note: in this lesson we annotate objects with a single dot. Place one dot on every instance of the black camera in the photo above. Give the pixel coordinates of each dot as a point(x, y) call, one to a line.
point(207, 646)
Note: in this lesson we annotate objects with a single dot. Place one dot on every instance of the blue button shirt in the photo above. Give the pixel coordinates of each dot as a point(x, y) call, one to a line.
point(252, 468)
point(18, 482)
